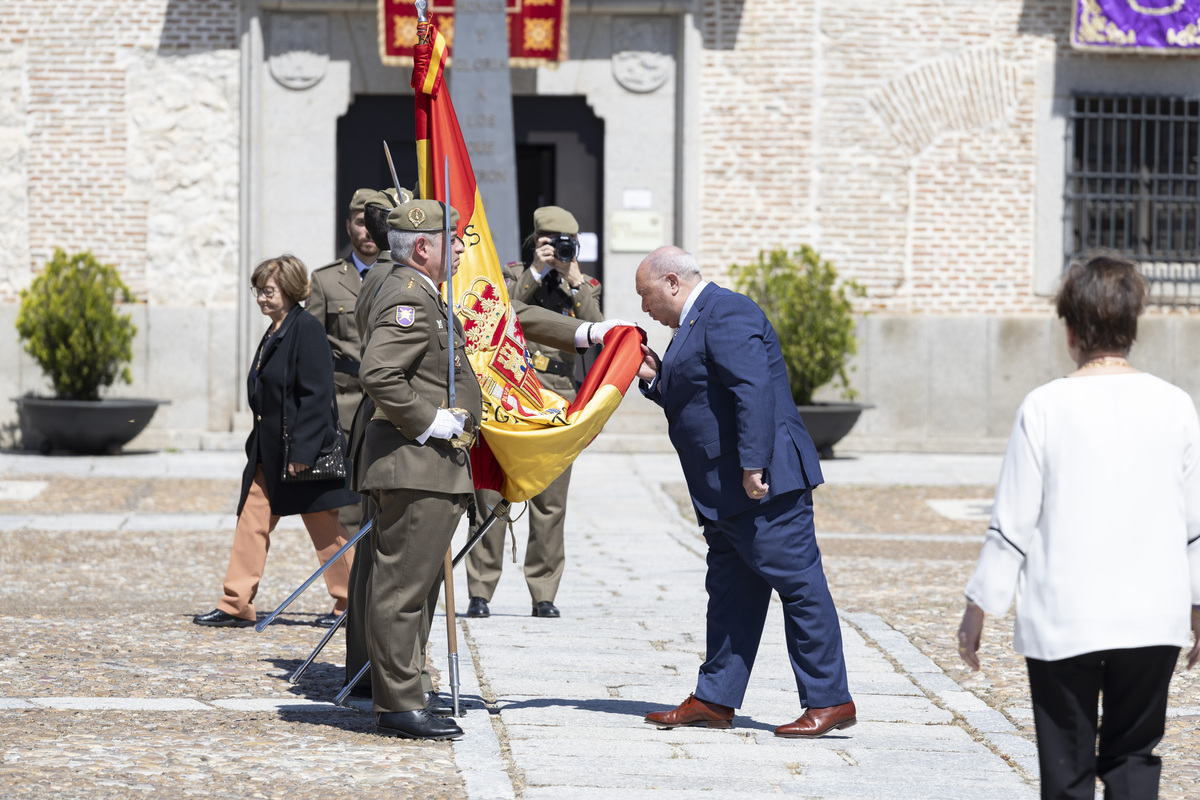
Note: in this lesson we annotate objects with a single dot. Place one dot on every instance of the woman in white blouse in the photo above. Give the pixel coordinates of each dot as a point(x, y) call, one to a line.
point(1096, 533)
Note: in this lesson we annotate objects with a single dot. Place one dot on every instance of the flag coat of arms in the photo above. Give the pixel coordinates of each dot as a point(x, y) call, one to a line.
point(529, 433)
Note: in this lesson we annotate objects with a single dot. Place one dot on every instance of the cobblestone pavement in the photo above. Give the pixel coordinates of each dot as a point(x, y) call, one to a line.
point(108, 690)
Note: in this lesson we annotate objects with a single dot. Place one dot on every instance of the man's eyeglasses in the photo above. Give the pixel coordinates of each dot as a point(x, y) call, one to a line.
point(268, 292)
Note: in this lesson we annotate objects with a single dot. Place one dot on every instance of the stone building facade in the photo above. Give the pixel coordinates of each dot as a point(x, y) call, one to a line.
point(918, 145)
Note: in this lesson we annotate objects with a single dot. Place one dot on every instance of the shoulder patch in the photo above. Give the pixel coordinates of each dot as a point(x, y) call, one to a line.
point(405, 315)
point(337, 263)
point(593, 281)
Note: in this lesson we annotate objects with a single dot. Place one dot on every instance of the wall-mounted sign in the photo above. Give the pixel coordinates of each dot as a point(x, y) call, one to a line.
point(635, 231)
point(536, 29)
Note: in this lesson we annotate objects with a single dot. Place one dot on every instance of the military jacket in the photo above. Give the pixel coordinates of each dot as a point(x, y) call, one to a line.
point(370, 290)
point(405, 368)
point(582, 304)
point(335, 290)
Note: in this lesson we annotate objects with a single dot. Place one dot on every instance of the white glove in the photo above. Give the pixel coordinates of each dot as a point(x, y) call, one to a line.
point(596, 332)
point(445, 425)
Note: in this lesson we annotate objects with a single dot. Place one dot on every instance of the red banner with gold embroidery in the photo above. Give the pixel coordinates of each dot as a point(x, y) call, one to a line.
point(537, 30)
point(530, 434)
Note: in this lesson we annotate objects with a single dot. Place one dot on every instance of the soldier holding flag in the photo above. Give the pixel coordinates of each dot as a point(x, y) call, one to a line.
point(418, 480)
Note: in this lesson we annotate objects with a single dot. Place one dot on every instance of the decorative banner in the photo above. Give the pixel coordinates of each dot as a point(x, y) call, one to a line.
point(530, 434)
point(1164, 26)
point(537, 30)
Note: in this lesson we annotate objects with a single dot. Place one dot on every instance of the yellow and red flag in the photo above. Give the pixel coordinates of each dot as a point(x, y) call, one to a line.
point(530, 434)
point(537, 30)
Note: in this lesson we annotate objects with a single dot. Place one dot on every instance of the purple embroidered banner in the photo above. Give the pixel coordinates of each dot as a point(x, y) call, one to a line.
point(1116, 25)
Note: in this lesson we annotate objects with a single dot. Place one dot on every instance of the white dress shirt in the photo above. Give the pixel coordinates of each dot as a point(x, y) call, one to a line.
point(1096, 525)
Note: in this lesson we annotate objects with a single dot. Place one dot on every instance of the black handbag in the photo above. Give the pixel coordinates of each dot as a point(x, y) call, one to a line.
point(331, 461)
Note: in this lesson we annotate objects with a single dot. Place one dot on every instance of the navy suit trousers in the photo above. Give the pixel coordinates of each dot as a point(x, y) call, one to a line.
point(770, 547)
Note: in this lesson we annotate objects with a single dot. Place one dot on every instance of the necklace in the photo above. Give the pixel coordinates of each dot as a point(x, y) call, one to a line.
point(1106, 361)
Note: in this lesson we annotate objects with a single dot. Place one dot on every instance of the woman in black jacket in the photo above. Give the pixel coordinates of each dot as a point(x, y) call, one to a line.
point(292, 370)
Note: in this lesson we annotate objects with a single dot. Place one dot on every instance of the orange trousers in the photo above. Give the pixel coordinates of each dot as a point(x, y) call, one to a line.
point(252, 540)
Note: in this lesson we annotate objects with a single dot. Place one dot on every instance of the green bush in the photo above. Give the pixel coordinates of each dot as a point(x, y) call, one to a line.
point(811, 312)
point(69, 324)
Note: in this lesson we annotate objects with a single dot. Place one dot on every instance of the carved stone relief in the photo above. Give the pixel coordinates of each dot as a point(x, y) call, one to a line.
point(641, 60)
point(298, 49)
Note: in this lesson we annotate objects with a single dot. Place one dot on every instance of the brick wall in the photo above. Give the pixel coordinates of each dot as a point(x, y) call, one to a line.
point(71, 73)
point(900, 144)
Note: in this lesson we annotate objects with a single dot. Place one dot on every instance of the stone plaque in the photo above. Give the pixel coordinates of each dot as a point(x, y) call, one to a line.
point(635, 231)
point(641, 60)
point(298, 49)
point(482, 90)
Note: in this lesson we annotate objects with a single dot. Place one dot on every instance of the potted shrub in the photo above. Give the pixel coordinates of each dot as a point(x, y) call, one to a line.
point(812, 313)
point(70, 324)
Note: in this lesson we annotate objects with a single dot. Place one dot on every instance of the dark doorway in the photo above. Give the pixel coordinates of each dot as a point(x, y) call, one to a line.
point(361, 162)
point(560, 159)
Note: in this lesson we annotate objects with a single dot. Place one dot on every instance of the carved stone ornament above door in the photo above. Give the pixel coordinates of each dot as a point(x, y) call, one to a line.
point(641, 60)
point(298, 49)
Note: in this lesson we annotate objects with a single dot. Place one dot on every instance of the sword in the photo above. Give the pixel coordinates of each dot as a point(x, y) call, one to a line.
point(392, 168)
point(449, 284)
point(467, 437)
point(448, 567)
point(363, 531)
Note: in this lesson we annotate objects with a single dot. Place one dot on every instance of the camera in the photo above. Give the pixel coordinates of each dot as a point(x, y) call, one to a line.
point(566, 247)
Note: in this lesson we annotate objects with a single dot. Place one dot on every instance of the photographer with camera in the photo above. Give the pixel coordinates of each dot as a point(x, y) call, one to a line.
point(552, 281)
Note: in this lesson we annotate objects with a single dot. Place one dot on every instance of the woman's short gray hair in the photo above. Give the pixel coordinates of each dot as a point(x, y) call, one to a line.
point(402, 244)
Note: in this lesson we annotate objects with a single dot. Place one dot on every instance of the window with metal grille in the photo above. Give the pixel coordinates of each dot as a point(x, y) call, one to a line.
point(1133, 184)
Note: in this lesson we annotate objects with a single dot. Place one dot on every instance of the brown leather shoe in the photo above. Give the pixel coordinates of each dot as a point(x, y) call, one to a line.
point(693, 712)
point(816, 722)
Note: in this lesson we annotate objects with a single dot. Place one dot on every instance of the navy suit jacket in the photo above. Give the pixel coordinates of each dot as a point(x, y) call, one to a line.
point(724, 388)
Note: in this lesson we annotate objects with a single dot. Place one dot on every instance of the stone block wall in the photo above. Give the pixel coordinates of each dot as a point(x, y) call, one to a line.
point(119, 133)
point(109, 114)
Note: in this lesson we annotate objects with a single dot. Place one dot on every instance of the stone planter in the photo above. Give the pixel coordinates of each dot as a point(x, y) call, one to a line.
point(827, 423)
point(85, 426)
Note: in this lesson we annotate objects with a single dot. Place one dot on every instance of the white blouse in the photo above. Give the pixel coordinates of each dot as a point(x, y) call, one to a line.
point(1096, 524)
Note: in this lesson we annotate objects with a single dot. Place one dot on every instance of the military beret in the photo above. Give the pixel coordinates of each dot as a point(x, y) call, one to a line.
point(552, 219)
point(423, 216)
point(359, 201)
point(387, 198)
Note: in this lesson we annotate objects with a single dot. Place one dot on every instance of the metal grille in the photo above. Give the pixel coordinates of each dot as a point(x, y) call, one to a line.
point(1133, 185)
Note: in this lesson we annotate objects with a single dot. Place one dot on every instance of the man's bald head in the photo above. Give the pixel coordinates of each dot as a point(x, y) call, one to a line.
point(664, 280)
point(671, 259)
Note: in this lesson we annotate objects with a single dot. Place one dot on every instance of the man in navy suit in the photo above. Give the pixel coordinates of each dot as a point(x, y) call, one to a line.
point(750, 467)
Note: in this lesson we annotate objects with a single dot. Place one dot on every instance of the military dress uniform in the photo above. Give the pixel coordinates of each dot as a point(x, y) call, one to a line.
point(545, 556)
point(420, 490)
point(335, 291)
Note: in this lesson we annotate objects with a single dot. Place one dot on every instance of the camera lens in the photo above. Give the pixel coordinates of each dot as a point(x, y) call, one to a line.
point(566, 248)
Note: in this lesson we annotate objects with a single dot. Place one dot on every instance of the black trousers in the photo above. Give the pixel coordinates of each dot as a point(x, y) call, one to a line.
point(1134, 685)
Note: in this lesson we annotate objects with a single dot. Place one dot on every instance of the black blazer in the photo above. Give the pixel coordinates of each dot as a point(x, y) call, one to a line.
point(310, 415)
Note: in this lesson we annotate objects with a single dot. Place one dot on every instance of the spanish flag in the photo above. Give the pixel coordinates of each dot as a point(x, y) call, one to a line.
point(530, 434)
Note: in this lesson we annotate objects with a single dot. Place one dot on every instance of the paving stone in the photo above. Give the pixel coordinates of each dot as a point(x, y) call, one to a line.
point(96, 602)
